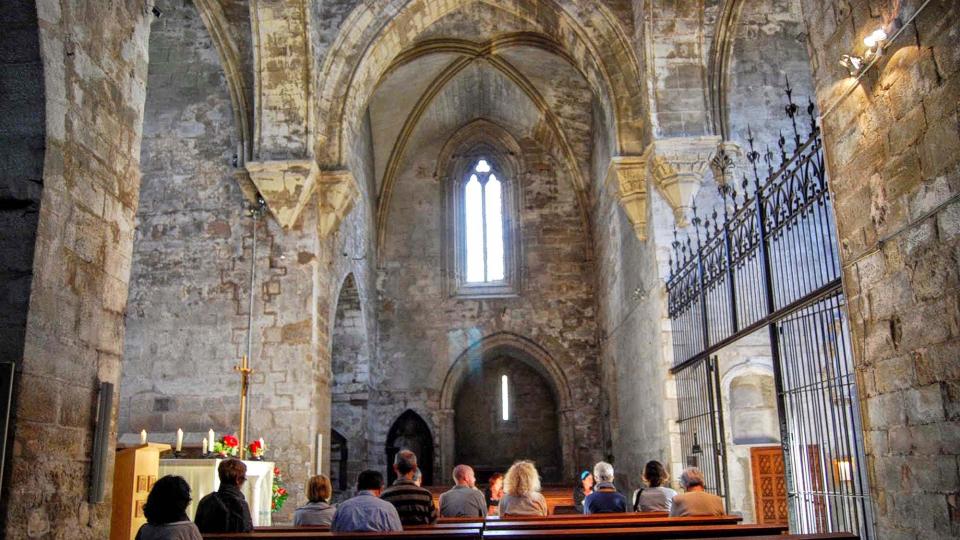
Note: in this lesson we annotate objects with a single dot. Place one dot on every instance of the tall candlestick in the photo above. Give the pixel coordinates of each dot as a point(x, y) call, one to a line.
point(245, 371)
point(204, 445)
point(179, 439)
point(143, 436)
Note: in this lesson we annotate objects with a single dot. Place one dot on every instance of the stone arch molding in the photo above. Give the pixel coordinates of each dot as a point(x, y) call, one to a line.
point(377, 33)
point(525, 350)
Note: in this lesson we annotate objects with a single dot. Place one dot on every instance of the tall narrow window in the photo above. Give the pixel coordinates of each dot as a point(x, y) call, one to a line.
point(504, 398)
point(483, 202)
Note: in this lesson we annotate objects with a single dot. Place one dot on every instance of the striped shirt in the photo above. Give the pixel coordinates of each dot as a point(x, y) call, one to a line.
point(413, 503)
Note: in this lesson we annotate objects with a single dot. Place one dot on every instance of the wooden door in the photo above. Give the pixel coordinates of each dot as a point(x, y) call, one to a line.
point(769, 485)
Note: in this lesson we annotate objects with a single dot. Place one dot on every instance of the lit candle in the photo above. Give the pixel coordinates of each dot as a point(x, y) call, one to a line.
point(261, 444)
point(204, 445)
point(210, 437)
point(143, 436)
point(179, 439)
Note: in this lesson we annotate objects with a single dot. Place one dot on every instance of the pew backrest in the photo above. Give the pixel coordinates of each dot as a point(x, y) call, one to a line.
point(689, 531)
point(598, 522)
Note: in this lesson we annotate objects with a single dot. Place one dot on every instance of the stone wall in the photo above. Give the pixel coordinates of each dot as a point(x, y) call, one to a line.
point(893, 150)
point(94, 66)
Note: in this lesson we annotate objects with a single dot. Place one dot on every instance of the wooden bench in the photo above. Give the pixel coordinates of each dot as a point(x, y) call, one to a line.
point(428, 533)
point(688, 531)
point(561, 517)
point(590, 522)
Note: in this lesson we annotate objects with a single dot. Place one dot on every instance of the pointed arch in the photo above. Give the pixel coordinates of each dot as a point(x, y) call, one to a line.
point(411, 432)
point(373, 36)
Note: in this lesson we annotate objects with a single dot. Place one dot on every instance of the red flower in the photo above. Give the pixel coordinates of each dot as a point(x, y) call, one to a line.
point(282, 491)
point(230, 441)
point(276, 471)
point(254, 447)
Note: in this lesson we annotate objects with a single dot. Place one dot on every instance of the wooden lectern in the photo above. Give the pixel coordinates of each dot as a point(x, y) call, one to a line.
point(134, 474)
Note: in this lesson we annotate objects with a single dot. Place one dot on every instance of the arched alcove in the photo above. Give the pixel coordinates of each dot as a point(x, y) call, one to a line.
point(339, 455)
point(350, 374)
point(753, 409)
point(536, 362)
point(411, 432)
point(489, 438)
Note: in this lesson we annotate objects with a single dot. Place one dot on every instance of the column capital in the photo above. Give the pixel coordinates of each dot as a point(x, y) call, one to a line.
point(628, 175)
point(285, 185)
point(677, 166)
point(338, 193)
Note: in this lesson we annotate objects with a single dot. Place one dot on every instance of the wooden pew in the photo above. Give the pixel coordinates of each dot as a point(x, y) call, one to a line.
point(591, 522)
point(410, 534)
point(565, 517)
point(690, 531)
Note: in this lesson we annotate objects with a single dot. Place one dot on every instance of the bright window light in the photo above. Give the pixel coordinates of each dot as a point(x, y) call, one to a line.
point(504, 398)
point(483, 213)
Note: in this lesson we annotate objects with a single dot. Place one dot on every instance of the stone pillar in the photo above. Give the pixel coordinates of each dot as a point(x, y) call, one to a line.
point(446, 443)
point(677, 167)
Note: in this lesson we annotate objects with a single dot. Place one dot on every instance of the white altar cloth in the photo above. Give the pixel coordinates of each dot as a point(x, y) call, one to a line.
point(201, 474)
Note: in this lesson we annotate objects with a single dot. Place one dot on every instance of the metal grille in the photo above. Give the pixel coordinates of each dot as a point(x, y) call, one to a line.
point(768, 258)
point(701, 423)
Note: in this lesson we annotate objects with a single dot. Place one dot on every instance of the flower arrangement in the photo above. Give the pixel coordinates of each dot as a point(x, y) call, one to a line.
point(257, 448)
point(279, 492)
point(229, 445)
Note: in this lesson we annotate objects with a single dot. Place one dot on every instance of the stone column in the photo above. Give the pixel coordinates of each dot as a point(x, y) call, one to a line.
point(677, 167)
point(446, 442)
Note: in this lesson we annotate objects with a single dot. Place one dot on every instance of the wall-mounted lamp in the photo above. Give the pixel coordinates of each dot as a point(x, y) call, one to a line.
point(853, 64)
point(875, 43)
point(695, 449)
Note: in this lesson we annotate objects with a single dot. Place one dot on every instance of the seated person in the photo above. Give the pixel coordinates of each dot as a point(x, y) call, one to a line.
point(463, 499)
point(605, 498)
point(696, 501)
point(493, 493)
point(226, 510)
point(366, 511)
point(582, 490)
point(655, 497)
point(319, 511)
point(521, 492)
point(413, 503)
point(166, 512)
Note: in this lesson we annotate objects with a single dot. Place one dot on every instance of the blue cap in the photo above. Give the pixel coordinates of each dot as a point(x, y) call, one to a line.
point(584, 475)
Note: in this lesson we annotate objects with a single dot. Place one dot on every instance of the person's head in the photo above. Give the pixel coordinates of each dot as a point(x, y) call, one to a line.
point(405, 463)
point(692, 478)
point(370, 481)
point(496, 482)
point(319, 488)
point(586, 480)
point(654, 474)
point(167, 501)
point(463, 476)
point(232, 472)
point(417, 476)
point(603, 472)
point(522, 479)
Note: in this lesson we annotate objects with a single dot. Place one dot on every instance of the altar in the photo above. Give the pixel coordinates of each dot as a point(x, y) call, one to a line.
point(201, 474)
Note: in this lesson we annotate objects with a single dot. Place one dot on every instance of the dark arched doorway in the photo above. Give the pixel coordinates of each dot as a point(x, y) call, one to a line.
point(490, 436)
point(410, 432)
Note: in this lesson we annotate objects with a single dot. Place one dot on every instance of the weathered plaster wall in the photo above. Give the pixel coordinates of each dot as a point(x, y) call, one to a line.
point(893, 152)
point(94, 66)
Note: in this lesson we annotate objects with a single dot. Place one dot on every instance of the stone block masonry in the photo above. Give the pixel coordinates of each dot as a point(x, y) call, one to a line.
point(893, 148)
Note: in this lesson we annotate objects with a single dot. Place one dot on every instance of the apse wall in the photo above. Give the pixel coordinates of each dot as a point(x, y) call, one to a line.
point(423, 328)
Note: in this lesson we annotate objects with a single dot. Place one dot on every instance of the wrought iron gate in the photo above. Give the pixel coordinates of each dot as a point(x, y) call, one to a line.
point(769, 259)
point(701, 423)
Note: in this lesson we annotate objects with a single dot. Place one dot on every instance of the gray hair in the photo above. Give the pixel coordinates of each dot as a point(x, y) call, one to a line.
point(603, 472)
point(691, 477)
point(405, 461)
point(460, 473)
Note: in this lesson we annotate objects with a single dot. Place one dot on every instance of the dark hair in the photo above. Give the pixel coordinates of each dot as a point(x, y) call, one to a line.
point(369, 480)
point(654, 473)
point(405, 461)
point(232, 472)
point(167, 501)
